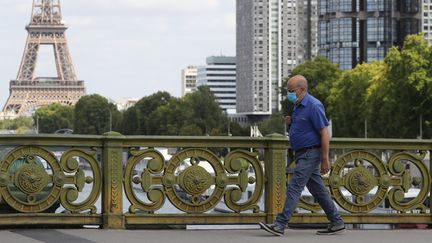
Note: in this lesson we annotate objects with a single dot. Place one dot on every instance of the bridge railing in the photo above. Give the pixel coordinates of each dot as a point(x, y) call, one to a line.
point(117, 181)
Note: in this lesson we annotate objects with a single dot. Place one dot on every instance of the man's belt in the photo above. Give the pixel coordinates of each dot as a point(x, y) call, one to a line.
point(302, 150)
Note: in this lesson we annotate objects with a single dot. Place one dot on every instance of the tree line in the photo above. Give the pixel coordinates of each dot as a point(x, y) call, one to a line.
point(195, 114)
point(382, 99)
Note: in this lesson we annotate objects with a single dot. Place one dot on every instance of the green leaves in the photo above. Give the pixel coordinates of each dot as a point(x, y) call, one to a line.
point(321, 74)
point(389, 98)
point(404, 94)
point(348, 100)
point(21, 124)
point(94, 115)
point(54, 117)
point(197, 113)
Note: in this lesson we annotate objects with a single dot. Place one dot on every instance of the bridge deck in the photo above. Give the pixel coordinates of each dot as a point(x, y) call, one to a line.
point(208, 236)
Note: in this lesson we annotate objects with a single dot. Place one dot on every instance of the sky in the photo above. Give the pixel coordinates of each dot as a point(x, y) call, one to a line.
point(124, 48)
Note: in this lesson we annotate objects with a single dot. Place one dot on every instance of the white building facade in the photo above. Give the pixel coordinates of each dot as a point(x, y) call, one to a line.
point(188, 80)
point(427, 20)
point(219, 74)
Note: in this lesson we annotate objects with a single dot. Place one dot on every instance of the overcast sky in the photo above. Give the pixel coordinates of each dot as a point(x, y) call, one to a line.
point(124, 48)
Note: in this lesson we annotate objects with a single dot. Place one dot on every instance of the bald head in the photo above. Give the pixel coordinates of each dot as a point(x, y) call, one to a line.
point(299, 85)
point(298, 81)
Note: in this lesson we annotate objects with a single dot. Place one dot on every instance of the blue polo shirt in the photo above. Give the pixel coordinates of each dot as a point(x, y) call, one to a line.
point(307, 119)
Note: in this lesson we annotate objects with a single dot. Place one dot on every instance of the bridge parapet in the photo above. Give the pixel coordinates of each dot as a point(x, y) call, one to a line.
point(117, 181)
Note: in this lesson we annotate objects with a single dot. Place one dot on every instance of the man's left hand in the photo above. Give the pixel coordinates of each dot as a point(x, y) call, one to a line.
point(325, 166)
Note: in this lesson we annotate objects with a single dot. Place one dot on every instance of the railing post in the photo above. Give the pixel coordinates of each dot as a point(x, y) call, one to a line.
point(112, 189)
point(275, 175)
point(430, 186)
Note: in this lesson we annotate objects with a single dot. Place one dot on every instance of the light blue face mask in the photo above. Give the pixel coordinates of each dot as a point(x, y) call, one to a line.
point(292, 97)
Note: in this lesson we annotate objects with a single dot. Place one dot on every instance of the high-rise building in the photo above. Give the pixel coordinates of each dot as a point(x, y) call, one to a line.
point(188, 80)
point(273, 37)
point(299, 33)
point(220, 76)
point(357, 31)
point(427, 20)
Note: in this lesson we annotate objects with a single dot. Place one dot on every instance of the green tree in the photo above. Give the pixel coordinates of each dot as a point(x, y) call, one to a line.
point(197, 113)
point(53, 117)
point(190, 130)
point(116, 118)
point(321, 74)
point(20, 124)
point(275, 124)
point(144, 109)
point(129, 124)
point(347, 100)
point(170, 118)
point(92, 115)
point(405, 94)
point(206, 112)
point(237, 130)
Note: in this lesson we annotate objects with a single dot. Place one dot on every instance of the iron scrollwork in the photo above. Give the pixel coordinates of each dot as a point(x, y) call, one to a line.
point(396, 194)
point(70, 194)
point(32, 179)
point(369, 181)
point(154, 194)
point(190, 186)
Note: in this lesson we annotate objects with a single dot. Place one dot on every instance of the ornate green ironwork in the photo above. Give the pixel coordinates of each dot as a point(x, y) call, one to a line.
point(156, 165)
point(24, 189)
point(194, 189)
point(34, 180)
point(369, 181)
point(70, 194)
point(396, 194)
point(239, 162)
point(29, 187)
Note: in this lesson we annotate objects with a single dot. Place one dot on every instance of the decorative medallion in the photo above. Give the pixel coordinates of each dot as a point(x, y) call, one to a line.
point(360, 181)
point(31, 178)
point(195, 180)
point(32, 188)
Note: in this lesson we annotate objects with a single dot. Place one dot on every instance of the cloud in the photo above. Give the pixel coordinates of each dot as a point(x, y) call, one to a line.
point(229, 20)
point(78, 22)
point(137, 46)
point(182, 5)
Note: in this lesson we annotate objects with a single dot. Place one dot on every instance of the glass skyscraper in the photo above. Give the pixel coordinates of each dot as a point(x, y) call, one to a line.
point(357, 31)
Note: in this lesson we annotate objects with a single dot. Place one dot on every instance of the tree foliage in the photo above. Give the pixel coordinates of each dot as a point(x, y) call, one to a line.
point(93, 115)
point(348, 99)
point(275, 124)
point(392, 96)
point(403, 96)
point(205, 112)
point(321, 74)
point(389, 98)
point(53, 117)
point(197, 113)
point(20, 124)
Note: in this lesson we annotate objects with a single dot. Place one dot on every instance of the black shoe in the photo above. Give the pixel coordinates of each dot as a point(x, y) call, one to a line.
point(332, 230)
point(273, 229)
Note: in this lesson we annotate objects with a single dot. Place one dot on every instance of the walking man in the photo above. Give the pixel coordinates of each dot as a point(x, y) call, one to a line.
point(309, 138)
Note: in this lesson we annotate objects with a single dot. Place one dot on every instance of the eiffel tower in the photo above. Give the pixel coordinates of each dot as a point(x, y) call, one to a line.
point(28, 92)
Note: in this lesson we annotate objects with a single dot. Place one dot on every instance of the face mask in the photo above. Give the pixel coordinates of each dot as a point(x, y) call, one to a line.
point(292, 97)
